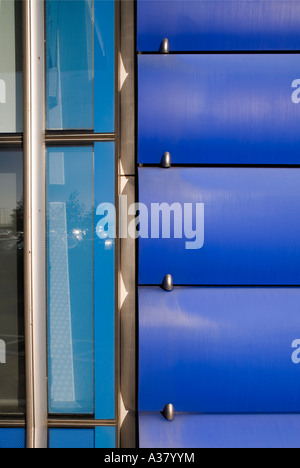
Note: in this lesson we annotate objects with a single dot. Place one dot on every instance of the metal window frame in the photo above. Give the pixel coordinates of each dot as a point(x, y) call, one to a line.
point(35, 223)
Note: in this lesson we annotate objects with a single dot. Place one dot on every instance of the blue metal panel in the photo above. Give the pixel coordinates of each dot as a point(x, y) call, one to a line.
point(219, 25)
point(219, 109)
point(70, 176)
point(71, 438)
point(251, 226)
point(219, 350)
point(199, 431)
point(105, 437)
point(104, 286)
point(104, 43)
point(12, 439)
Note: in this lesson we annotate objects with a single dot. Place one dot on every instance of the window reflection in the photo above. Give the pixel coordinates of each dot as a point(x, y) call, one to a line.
point(11, 66)
point(70, 61)
point(81, 65)
point(70, 280)
point(12, 352)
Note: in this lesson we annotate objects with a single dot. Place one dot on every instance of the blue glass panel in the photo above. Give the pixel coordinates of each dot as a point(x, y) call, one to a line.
point(219, 350)
point(104, 284)
point(199, 431)
point(12, 438)
point(70, 279)
point(70, 56)
point(251, 230)
point(219, 109)
point(71, 438)
point(105, 437)
point(80, 65)
point(104, 66)
point(204, 25)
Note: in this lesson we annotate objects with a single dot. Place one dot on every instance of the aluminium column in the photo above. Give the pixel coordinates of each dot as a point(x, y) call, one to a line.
point(34, 229)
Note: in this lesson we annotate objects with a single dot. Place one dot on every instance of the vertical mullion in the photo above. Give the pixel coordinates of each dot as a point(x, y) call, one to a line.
point(34, 228)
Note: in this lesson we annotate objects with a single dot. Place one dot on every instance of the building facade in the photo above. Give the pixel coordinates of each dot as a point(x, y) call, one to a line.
point(149, 237)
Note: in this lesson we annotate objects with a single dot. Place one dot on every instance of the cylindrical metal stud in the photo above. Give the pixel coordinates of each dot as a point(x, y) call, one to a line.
point(169, 412)
point(166, 161)
point(167, 283)
point(165, 46)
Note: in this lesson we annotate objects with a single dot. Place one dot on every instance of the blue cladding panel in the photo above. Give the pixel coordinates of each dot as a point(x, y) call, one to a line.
point(219, 25)
point(198, 431)
point(221, 109)
point(104, 286)
point(105, 437)
point(71, 438)
point(12, 438)
point(80, 65)
point(219, 350)
point(104, 66)
point(251, 226)
point(70, 280)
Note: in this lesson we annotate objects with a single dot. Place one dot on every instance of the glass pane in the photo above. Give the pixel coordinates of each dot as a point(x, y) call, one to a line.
point(104, 282)
point(80, 65)
point(11, 113)
point(71, 438)
point(104, 66)
point(70, 280)
point(70, 58)
point(12, 438)
point(105, 437)
point(12, 352)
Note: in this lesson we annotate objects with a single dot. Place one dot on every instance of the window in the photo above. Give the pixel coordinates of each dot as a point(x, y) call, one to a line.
point(12, 346)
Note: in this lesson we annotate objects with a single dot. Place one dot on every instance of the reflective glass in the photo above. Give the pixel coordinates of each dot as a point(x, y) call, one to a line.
point(100, 437)
point(71, 438)
point(104, 284)
point(12, 438)
point(11, 113)
point(70, 280)
point(105, 437)
point(81, 281)
point(80, 65)
point(12, 378)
